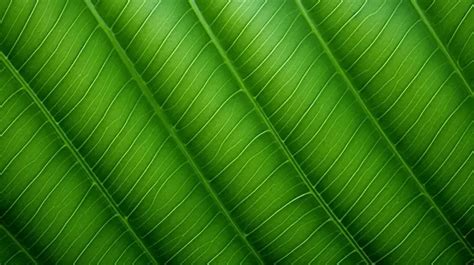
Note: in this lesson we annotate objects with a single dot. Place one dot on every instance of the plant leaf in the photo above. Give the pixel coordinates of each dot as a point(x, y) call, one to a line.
point(236, 132)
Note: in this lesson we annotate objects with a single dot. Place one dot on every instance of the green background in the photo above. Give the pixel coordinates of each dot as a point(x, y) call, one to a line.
point(236, 131)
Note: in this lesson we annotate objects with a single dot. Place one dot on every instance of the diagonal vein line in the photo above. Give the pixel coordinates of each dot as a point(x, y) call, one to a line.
point(77, 155)
point(361, 102)
point(163, 117)
point(21, 246)
point(442, 46)
point(274, 132)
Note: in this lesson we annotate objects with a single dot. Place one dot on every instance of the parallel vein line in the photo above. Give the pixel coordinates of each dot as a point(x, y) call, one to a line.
point(19, 244)
point(162, 116)
point(442, 46)
point(76, 154)
point(273, 131)
point(361, 102)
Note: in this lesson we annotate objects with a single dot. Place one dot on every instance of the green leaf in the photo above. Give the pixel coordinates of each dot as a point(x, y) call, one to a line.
point(303, 131)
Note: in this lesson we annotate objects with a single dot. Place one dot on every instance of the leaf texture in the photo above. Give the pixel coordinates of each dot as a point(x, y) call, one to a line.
point(236, 132)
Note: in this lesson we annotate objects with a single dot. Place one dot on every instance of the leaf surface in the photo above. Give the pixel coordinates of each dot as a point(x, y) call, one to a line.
point(236, 132)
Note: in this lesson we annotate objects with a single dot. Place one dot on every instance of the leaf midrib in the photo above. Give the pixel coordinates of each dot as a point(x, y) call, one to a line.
point(276, 136)
point(441, 45)
point(373, 120)
point(163, 117)
point(77, 155)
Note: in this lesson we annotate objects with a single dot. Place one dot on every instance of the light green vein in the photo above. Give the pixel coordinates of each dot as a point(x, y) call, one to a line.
point(287, 152)
point(159, 112)
point(18, 244)
point(75, 153)
point(442, 46)
point(361, 102)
